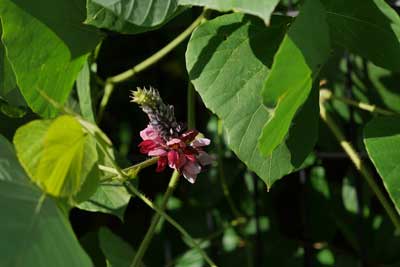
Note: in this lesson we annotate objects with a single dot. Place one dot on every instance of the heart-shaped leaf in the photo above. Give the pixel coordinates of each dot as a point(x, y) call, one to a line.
point(58, 155)
point(227, 60)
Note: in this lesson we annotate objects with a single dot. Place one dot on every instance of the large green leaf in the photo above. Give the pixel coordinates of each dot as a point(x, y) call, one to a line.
point(295, 66)
point(117, 251)
point(130, 16)
point(33, 231)
point(58, 155)
point(382, 140)
point(111, 198)
point(260, 8)
point(58, 46)
point(369, 28)
point(227, 61)
point(101, 17)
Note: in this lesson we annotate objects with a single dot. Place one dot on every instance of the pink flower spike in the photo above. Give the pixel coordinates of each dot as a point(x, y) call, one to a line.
point(201, 142)
point(204, 158)
point(191, 170)
point(157, 152)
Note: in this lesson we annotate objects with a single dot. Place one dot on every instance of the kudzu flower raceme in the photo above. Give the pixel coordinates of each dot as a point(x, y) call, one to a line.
point(167, 139)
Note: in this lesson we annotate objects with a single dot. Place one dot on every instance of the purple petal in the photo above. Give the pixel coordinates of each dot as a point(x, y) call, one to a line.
point(204, 158)
point(191, 170)
point(201, 142)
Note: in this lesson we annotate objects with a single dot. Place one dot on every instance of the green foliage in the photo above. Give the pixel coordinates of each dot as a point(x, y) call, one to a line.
point(7, 78)
point(260, 8)
point(109, 198)
point(58, 155)
point(368, 28)
point(118, 253)
point(296, 65)
point(260, 72)
point(227, 63)
point(382, 140)
point(58, 47)
point(131, 16)
point(33, 230)
point(84, 93)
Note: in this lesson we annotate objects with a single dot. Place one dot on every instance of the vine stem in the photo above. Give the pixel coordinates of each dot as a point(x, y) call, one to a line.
point(358, 163)
point(131, 171)
point(155, 220)
point(128, 74)
point(108, 90)
point(327, 94)
point(149, 203)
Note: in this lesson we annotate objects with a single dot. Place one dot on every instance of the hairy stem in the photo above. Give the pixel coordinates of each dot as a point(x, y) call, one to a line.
point(155, 220)
point(359, 165)
point(327, 94)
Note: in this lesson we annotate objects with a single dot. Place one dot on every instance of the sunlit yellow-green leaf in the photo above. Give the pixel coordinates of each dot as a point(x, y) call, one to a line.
point(58, 155)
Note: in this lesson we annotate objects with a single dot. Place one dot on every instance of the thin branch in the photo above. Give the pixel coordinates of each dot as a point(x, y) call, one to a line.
point(327, 94)
point(158, 55)
point(131, 171)
point(358, 163)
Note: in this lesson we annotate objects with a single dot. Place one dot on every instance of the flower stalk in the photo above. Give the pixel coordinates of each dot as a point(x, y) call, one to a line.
point(173, 182)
